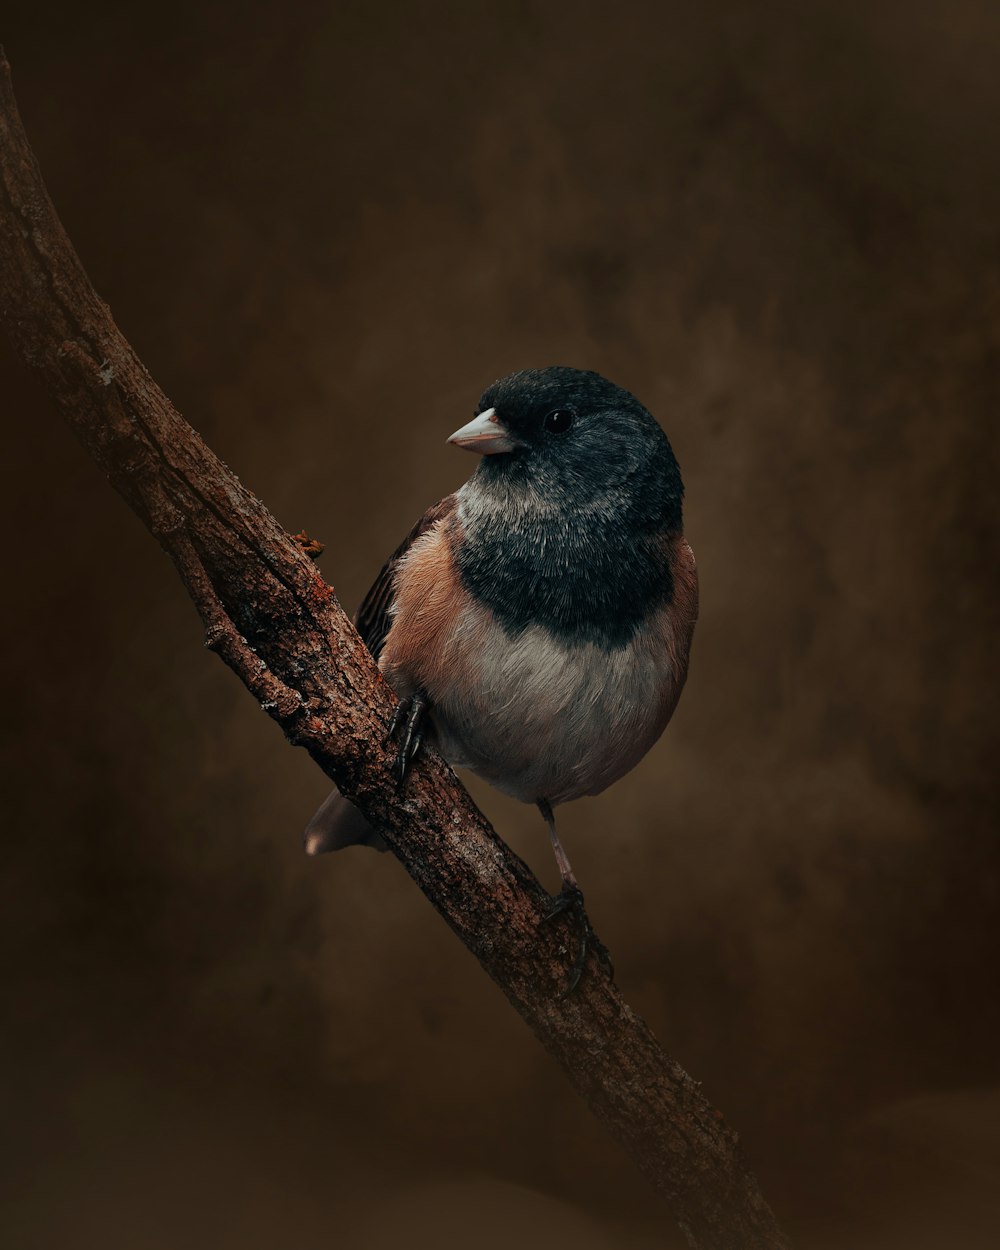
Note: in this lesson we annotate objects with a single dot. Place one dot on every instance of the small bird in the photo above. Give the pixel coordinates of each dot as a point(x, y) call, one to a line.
point(538, 621)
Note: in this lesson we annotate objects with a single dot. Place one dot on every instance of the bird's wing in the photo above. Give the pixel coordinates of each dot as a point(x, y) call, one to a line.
point(374, 617)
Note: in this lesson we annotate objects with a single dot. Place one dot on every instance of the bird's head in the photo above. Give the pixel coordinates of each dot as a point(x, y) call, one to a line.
point(575, 438)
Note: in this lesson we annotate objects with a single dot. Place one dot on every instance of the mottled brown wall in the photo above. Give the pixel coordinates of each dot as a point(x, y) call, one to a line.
point(326, 227)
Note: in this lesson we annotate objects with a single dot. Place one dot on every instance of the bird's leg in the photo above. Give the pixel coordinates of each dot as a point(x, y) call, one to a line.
point(570, 899)
point(565, 869)
point(407, 726)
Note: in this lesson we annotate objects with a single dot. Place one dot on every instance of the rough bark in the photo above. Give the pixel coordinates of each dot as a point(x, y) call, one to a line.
point(277, 624)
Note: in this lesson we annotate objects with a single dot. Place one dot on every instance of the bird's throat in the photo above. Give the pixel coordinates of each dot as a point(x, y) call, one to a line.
point(582, 569)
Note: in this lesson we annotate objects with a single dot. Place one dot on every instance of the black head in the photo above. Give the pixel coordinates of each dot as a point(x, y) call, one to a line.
point(574, 435)
point(565, 518)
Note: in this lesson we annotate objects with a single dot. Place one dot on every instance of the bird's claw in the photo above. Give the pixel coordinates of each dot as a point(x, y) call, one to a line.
point(570, 899)
point(407, 726)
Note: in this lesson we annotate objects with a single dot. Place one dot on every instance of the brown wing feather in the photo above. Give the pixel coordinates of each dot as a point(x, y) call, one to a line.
point(374, 617)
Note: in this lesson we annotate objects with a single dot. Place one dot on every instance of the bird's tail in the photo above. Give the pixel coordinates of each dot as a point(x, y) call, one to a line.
point(336, 824)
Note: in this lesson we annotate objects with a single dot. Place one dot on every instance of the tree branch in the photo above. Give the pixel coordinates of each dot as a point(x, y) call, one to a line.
point(276, 623)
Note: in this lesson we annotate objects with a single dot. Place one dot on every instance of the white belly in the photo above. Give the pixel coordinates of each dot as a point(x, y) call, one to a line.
point(541, 718)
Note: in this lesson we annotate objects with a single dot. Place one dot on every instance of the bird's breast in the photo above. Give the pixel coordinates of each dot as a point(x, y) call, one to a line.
point(535, 713)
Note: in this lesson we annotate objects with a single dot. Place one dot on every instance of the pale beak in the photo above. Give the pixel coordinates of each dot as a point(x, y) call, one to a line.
point(485, 435)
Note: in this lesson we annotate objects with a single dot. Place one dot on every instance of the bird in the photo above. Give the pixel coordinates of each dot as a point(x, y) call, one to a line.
point(537, 622)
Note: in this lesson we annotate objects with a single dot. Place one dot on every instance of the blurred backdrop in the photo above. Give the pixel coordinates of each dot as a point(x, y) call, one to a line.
point(326, 227)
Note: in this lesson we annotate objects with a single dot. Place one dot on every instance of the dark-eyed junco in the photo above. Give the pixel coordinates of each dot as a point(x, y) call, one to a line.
point(538, 621)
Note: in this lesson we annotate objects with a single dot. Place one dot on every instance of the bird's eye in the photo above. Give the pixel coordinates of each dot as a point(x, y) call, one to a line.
point(558, 422)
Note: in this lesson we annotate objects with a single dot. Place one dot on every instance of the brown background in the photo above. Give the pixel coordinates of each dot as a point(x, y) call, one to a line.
point(326, 227)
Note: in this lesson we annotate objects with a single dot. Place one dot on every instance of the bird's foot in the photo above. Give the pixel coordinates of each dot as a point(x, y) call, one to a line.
point(570, 900)
point(407, 728)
